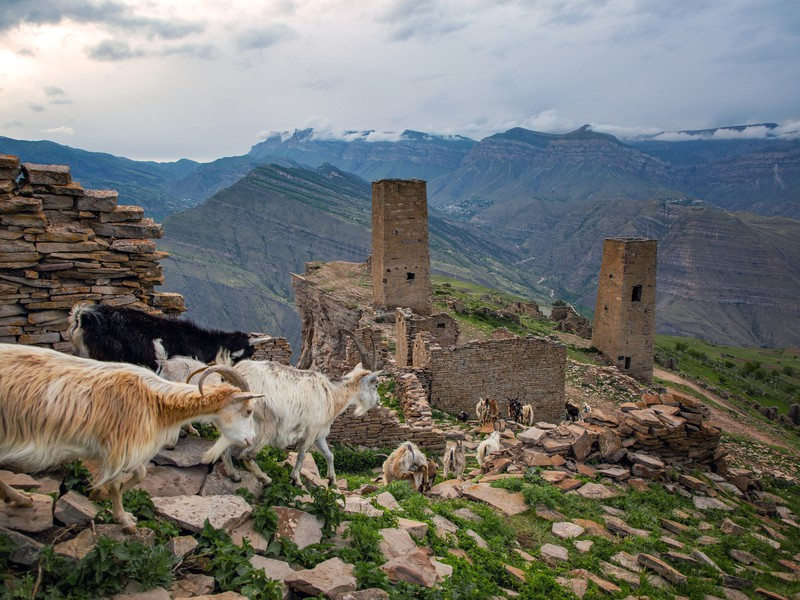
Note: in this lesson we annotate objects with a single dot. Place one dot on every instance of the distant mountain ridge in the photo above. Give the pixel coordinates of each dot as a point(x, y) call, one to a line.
point(232, 256)
point(550, 198)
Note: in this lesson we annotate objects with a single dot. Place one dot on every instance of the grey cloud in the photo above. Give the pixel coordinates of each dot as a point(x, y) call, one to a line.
point(10, 124)
point(257, 39)
point(36, 107)
point(421, 19)
point(113, 50)
point(202, 51)
point(14, 13)
point(53, 91)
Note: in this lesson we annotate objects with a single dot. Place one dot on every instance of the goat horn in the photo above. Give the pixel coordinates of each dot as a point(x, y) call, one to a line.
point(228, 373)
point(362, 351)
point(193, 373)
point(259, 340)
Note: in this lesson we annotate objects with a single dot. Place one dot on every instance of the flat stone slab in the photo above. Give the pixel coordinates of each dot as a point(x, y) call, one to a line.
point(596, 491)
point(620, 527)
point(566, 530)
point(356, 505)
point(28, 519)
point(705, 503)
point(247, 531)
point(395, 542)
point(274, 569)
point(553, 553)
point(75, 509)
point(533, 435)
point(329, 578)
point(217, 483)
point(414, 567)
point(387, 501)
point(20, 481)
point(448, 490)
point(659, 566)
point(416, 528)
point(190, 512)
point(508, 503)
point(26, 550)
point(298, 526)
point(168, 480)
point(188, 452)
point(444, 527)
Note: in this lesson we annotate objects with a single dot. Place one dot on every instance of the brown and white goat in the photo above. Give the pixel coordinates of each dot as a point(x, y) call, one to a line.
point(55, 408)
point(487, 411)
point(406, 462)
point(429, 476)
point(528, 415)
point(454, 460)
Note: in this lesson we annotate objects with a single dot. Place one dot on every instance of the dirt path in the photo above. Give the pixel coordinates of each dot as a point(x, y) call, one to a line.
point(737, 422)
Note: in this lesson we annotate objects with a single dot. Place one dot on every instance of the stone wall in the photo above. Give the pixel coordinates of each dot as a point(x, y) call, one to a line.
point(324, 315)
point(531, 369)
point(401, 269)
point(442, 329)
point(61, 244)
point(625, 312)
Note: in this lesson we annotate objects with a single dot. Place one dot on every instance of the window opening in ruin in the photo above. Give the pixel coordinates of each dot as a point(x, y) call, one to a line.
point(636, 295)
point(440, 326)
point(619, 358)
point(411, 276)
point(627, 362)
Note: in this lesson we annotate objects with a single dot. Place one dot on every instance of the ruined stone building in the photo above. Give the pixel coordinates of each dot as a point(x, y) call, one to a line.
point(61, 244)
point(625, 312)
point(434, 367)
point(401, 263)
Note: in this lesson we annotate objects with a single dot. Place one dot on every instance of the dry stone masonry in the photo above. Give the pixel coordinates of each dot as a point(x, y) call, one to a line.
point(530, 369)
point(625, 312)
point(61, 244)
point(401, 271)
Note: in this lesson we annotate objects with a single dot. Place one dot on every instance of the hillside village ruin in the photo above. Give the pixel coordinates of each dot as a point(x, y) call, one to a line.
point(61, 244)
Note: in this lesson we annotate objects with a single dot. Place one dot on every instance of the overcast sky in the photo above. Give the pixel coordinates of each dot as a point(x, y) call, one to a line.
point(166, 79)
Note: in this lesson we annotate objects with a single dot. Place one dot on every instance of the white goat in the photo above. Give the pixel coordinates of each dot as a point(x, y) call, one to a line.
point(55, 408)
point(406, 462)
point(454, 460)
point(487, 446)
point(299, 407)
point(528, 415)
point(185, 370)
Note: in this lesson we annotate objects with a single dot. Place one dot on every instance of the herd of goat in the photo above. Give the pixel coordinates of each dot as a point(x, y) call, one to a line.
point(136, 379)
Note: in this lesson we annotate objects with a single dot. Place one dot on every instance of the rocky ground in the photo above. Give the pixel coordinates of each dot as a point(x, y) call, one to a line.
point(558, 512)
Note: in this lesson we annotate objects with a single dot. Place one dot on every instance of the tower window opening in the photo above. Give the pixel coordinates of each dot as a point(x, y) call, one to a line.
point(627, 362)
point(411, 276)
point(636, 294)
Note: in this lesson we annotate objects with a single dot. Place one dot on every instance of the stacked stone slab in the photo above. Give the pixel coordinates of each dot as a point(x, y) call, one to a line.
point(61, 244)
point(670, 427)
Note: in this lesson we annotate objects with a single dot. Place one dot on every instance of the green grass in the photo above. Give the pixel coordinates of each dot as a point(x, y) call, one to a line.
point(770, 377)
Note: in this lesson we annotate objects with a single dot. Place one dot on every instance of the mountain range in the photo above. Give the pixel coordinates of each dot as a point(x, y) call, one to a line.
point(520, 211)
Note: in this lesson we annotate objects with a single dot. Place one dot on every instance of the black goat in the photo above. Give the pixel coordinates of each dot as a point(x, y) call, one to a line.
point(515, 410)
point(573, 412)
point(463, 416)
point(124, 334)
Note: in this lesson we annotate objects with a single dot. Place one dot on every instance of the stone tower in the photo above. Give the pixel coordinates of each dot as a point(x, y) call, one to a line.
point(625, 313)
point(401, 262)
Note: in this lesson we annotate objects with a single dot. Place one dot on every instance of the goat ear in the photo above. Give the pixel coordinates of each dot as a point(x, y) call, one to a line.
point(237, 354)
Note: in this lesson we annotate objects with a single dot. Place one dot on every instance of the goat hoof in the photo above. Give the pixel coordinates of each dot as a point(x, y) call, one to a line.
point(235, 477)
